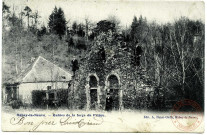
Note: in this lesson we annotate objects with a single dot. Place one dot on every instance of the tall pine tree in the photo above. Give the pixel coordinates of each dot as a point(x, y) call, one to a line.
point(134, 26)
point(139, 29)
point(57, 22)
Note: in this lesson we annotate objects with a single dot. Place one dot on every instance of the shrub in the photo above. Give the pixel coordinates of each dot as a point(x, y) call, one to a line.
point(16, 104)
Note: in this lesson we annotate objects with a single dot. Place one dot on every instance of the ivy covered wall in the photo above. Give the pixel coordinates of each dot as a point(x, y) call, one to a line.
point(107, 57)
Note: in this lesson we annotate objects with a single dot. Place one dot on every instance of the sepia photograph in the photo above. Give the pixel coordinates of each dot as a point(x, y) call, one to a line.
point(102, 66)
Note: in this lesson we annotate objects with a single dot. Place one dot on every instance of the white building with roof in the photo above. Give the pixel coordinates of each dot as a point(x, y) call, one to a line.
point(42, 75)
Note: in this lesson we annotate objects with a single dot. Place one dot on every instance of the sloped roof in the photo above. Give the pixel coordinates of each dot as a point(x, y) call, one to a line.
point(43, 70)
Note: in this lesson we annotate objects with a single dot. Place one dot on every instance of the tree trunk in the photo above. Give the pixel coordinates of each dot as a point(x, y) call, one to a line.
point(145, 60)
point(86, 34)
point(28, 20)
point(16, 67)
point(157, 70)
point(183, 73)
point(21, 60)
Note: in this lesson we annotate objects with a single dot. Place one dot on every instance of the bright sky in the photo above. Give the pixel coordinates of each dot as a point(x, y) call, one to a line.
point(160, 11)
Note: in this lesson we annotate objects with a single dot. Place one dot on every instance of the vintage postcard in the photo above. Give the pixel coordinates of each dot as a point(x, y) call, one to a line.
point(102, 66)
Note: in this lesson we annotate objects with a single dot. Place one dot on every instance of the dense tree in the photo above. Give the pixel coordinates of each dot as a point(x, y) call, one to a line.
point(116, 21)
point(42, 31)
point(139, 29)
point(75, 27)
point(185, 49)
point(28, 14)
point(80, 30)
point(133, 28)
point(36, 17)
point(139, 36)
point(5, 8)
point(87, 22)
point(104, 26)
point(89, 29)
point(5, 15)
point(57, 22)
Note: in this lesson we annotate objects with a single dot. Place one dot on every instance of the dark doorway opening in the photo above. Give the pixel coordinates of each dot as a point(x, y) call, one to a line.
point(93, 83)
point(51, 100)
point(93, 95)
point(115, 98)
point(39, 98)
point(11, 93)
point(112, 98)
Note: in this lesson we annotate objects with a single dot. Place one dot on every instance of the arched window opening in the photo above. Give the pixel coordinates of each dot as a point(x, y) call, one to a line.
point(113, 82)
point(93, 81)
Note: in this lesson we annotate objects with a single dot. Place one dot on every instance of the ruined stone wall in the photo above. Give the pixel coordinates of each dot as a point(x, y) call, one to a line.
point(118, 62)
